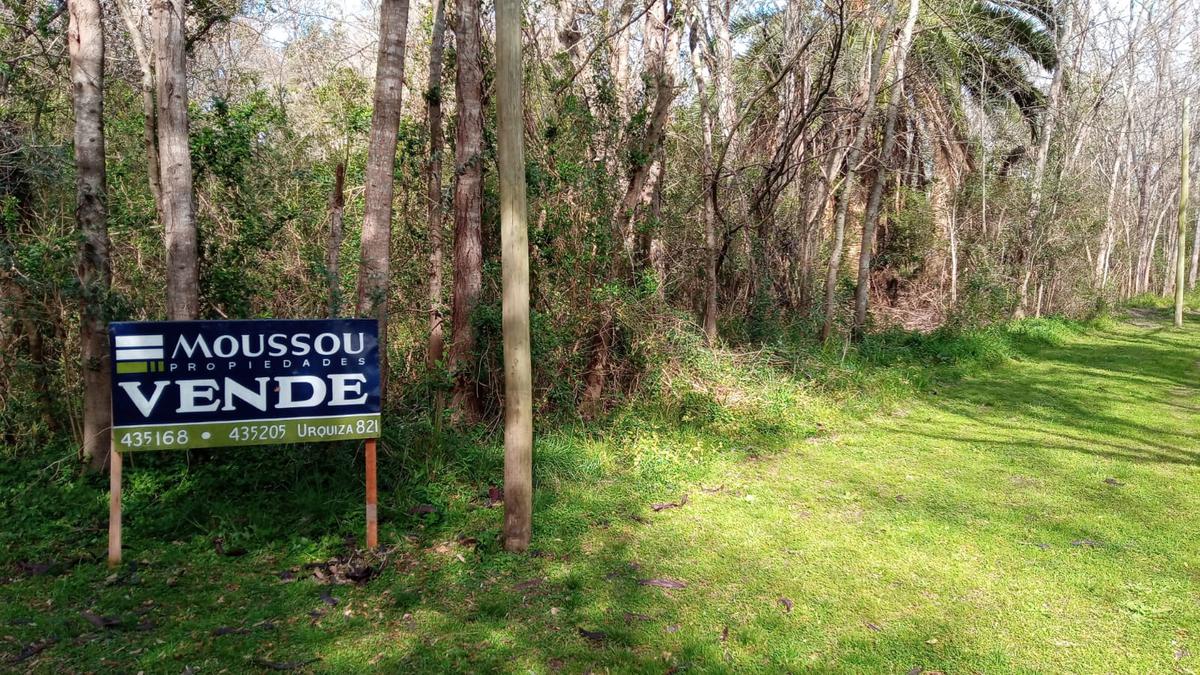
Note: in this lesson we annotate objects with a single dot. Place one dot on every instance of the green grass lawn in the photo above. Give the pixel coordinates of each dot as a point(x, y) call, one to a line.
point(1039, 514)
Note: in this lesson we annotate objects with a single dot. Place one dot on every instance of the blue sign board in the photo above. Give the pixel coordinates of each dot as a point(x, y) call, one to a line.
point(197, 384)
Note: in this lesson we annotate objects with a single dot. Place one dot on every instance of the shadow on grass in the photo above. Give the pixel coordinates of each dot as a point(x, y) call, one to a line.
point(570, 607)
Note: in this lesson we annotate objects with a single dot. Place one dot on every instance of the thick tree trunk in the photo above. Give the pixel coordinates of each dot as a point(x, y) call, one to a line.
point(518, 384)
point(179, 218)
point(468, 205)
point(871, 215)
point(85, 41)
point(620, 12)
point(647, 235)
point(333, 249)
point(375, 259)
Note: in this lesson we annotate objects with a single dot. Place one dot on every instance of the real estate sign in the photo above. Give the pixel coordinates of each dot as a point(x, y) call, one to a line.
point(203, 384)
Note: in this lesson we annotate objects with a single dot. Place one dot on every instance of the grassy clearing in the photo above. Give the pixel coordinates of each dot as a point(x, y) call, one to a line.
point(1011, 500)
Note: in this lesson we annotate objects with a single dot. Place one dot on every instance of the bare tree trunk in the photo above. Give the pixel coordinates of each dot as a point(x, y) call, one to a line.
point(375, 259)
point(149, 114)
point(1185, 168)
point(1029, 232)
point(436, 351)
point(333, 250)
point(468, 205)
point(647, 239)
point(1100, 275)
point(662, 43)
point(1168, 280)
point(846, 191)
point(722, 79)
point(953, 254)
point(86, 45)
point(1108, 236)
point(1152, 246)
point(518, 385)
point(706, 173)
point(656, 260)
point(179, 218)
point(871, 215)
point(619, 56)
point(1195, 254)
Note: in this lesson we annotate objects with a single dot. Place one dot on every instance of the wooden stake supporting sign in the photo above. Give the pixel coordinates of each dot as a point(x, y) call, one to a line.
point(203, 384)
point(372, 515)
point(114, 509)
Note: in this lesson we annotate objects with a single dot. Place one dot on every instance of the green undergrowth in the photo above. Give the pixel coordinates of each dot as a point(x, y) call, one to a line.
point(224, 541)
point(703, 405)
point(1191, 301)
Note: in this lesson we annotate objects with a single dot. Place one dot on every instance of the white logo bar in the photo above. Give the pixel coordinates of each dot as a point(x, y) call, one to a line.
point(139, 354)
point(139, 341)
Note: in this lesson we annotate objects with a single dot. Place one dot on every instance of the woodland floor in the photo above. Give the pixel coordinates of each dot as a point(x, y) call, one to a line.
point(1042, 515)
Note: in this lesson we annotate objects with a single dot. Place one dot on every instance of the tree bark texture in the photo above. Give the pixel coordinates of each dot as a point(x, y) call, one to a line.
point(175, 162)
point(375, 256)
point(518, 383)
point(468, 211)
point(86, 47)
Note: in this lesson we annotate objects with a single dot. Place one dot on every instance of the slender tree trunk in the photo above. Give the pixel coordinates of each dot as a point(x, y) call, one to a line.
point(149, 114)
point(333, 250)
point(436, 351)
point(953, 254)
point(1106, 236)
point(1192, 271)
point(1168, 280)
point(179, 218)
point(433, 100)
point(706, 172)
point(1029, 231)
point(468, 205)
point(375, 260)
point(846, 191)
point(721, 12)
point(1185, 168)
point(656, 261)
point(85, 41)
point(662, 42)
point(871, 215)
point(1152, 247)
point(518, 386)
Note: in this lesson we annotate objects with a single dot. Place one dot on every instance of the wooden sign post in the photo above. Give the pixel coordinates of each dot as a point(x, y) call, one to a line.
point(114, 508)
point(372, 515)
point(205, 384)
